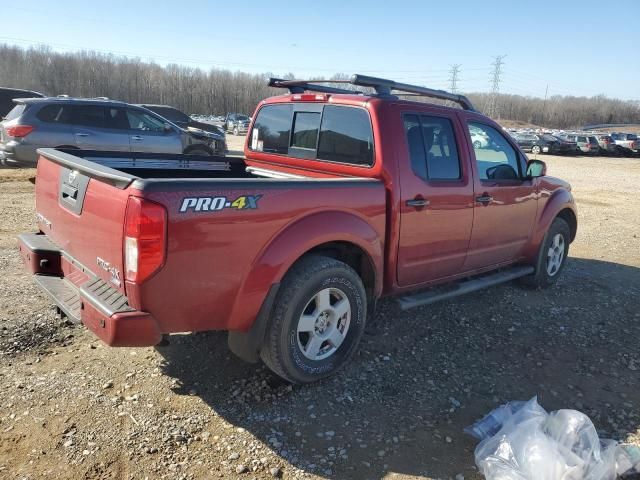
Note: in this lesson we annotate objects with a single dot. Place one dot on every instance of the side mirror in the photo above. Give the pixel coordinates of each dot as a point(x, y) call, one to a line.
point(536, 168)
point(167, 128)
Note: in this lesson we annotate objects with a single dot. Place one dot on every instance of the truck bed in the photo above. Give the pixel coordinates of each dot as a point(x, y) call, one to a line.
point(231, 231)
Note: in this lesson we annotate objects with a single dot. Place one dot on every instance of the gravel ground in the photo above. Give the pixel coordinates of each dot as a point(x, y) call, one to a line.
point(73, 408)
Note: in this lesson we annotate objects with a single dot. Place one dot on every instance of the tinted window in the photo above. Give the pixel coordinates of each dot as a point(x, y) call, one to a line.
point(346, 136)
point(432, 147)
point(16, 111)
point(271, 129)
point(498, 160)
point(305, 129)
point(54, 114)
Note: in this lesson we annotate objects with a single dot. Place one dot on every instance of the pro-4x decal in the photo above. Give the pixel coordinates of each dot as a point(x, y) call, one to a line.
point(213, 204)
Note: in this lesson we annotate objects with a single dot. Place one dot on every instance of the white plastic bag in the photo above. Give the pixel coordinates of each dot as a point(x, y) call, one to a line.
point(521, 441)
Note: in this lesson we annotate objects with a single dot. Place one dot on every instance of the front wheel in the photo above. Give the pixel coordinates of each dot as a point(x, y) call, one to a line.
point(236, 131)
point(552, 255)
point(535, 150)
point(317, 321)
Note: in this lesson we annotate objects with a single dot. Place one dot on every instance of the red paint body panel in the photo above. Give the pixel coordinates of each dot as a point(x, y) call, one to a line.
point(220, 265)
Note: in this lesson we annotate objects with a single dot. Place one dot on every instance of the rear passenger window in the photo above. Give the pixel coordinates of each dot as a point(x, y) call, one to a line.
point(346, 136)
point(305, 130)
point(271, 129)
point(432, 147)
point(54, 114)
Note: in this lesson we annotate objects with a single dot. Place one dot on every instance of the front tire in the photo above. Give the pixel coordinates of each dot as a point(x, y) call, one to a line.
point(317, 321)
point(552, 255)
point(535, 150)
point(236, 131)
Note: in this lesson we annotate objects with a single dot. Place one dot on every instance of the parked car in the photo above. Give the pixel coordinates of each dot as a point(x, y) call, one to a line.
point(545, 143)
point(607, 145)
point(8, 94)
point(479, 140)
point(342, 201)
point(585, 143)
point(93, 124)
point(182, 119)
point(237, 123)
point(628, 142)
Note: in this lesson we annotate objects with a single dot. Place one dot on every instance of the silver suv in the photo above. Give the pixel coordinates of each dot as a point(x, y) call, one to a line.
point(95, 124)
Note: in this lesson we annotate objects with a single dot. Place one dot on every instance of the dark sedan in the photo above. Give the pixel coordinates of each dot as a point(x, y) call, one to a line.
point(182, 119)
point(8, 94)
point(546, 143)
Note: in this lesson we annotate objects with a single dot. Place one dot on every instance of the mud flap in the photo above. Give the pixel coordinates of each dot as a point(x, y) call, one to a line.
point(246, 345)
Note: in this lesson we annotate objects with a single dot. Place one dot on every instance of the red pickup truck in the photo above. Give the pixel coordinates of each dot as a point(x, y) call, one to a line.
point(343, 197)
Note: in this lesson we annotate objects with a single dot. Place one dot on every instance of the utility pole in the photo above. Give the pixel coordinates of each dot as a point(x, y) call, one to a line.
point(492, 107)
point(544, 104)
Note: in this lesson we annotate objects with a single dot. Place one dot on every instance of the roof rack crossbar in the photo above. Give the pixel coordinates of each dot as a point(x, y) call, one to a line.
point(300, 86)
point(384, 86)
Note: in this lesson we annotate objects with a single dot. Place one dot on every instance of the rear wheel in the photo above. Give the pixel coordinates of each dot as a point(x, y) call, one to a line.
point(535, 149)
point(236, 131)
point(477, 145)
point(317, 321)
point(552, 255)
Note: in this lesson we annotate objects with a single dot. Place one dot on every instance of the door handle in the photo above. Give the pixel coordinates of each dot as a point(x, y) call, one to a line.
point(485, 199)
point(136, 137)
point(417, 202)
point(69, 191)
point(82, 134)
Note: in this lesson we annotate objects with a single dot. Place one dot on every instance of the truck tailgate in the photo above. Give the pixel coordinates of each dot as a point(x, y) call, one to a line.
point(84, 217)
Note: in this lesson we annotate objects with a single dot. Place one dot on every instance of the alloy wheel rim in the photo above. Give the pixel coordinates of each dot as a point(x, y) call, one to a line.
point(555, 254)
point(324, 324)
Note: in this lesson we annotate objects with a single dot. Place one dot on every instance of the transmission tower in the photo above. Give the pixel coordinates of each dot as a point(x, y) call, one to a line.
point(453, 79)
point(492, 107)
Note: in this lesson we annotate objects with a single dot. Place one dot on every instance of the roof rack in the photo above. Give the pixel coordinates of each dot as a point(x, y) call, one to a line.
point(300, 86)
point(382, 86)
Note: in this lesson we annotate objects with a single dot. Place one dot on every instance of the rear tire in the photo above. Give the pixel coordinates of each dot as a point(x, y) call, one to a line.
point(552, 256)
point(317, 321)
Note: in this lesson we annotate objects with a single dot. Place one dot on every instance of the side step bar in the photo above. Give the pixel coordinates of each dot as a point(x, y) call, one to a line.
point(466, 286)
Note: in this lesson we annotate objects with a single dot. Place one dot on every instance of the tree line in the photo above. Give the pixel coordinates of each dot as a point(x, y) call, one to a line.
point(218, 91)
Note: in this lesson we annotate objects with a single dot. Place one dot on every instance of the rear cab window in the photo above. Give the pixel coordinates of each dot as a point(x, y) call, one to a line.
point(322, 132)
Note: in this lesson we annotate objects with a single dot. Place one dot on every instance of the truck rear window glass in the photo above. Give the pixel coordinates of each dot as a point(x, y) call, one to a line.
point(346, 136)
point(432, 147)
point(305, 130)
point(271, 129)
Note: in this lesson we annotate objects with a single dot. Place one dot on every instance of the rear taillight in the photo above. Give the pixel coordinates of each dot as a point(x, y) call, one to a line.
point(145, 239)
point(18, 131)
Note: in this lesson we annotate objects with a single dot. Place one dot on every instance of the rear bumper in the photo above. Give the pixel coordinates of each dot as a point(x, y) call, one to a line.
point(85, 298)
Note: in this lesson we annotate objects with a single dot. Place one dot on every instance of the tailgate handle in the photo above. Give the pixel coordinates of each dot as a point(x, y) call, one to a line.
point(69, 191)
